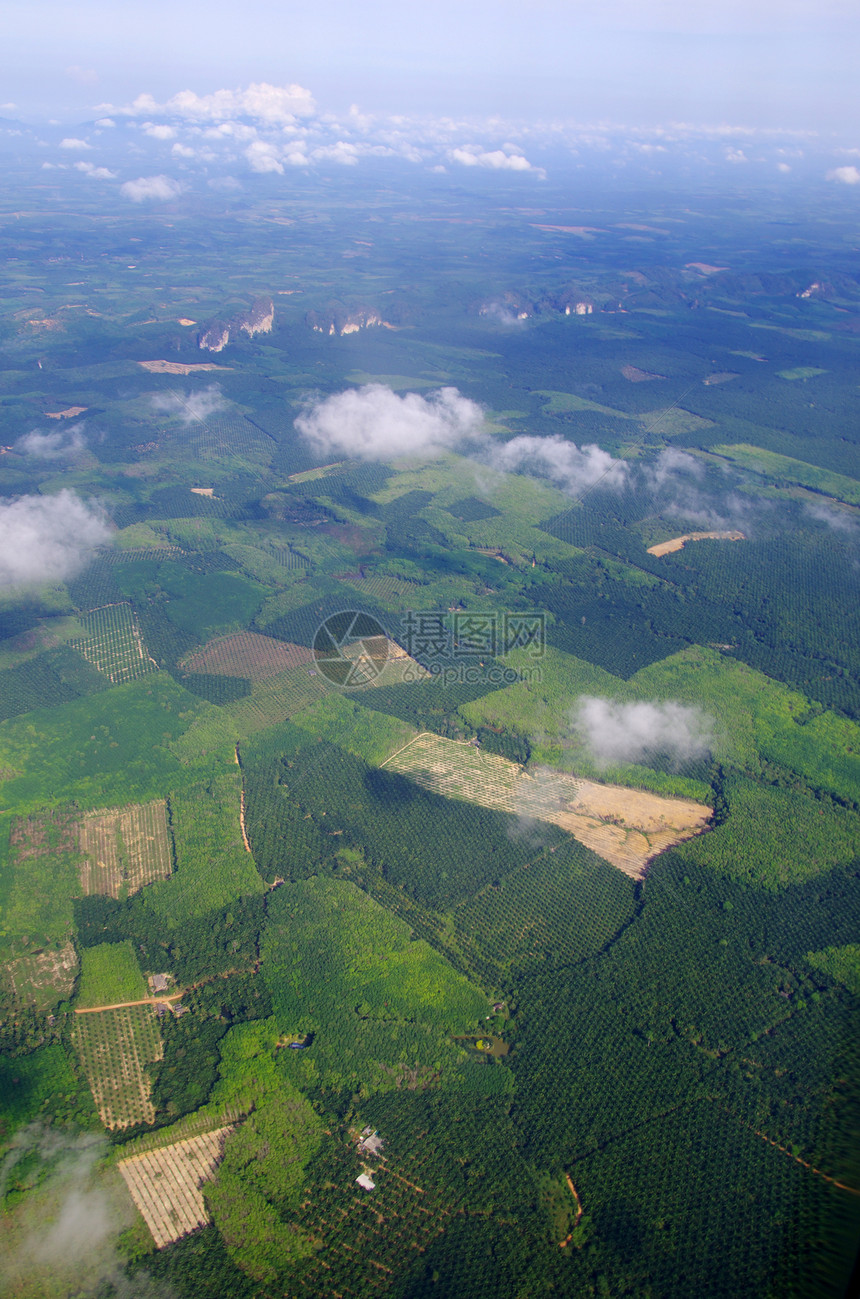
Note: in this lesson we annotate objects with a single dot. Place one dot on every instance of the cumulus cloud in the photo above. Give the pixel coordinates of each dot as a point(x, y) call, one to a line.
point(151, 189)
point(374, 423)
point(192, 407)
point(632, 732)
point(266, 103)
point(568, 466)
point(345, 154)
point(52, 446)
point(47, 538)
point(263, 157)
point(158, 131)
point(70, 142)
point(472, 155)
point(95, 173)
point(847, 175)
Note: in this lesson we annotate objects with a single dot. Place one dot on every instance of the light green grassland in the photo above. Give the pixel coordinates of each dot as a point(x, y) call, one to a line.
point(841, 963)
point(772, 465)
point(454, 477)
point(369, 735)
point(110, 975)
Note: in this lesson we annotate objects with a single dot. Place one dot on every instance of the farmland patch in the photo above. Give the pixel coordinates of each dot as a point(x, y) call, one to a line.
point(113, 645)
point(115, 1048)
point(166, 1184)
point(678, 543)
point(248, 654)
point(627, 827)
point(124, 848)
point(44, 978)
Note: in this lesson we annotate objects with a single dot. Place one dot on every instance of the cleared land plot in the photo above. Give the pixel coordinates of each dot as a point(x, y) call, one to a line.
point(678, 543)
point(113, 644)
point(176, 367)
point(627, 827)
point(633, 374)
point(248, 654)
point(124, 848)
point(44, 978)
point(115, 1047)
point(165, 1184)
point(773, 465)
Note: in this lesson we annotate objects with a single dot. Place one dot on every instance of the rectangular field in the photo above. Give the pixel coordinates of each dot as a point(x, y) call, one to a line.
point(248, 654)
point(627, 827)
point(113, 645)
point(165, 1184)
point(115, 1047)
point(45, 978)
point(124, 848)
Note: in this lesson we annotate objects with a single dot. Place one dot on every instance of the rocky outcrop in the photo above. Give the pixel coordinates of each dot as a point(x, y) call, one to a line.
point(257, 320)
point(337, 320)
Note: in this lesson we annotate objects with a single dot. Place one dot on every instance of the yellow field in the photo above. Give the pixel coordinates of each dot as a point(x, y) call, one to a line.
point(124, 848)
point(112, 643)
point(627, 827)
point(115, 1047)
point(165, 1184)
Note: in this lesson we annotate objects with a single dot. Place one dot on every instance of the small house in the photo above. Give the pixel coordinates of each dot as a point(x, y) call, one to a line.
point(365, 1182)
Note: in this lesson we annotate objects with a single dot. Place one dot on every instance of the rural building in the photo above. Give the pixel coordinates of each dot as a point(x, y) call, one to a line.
point(364, 1181)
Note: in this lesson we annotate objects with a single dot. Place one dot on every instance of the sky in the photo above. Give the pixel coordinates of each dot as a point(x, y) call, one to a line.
point(760, 63)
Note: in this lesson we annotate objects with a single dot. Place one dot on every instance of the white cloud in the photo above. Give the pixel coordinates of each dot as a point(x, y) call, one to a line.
point(783, 166)
point(95, 173)
point(71, 142)
point(151, 188)
point(261, 101)
point(628, 732)
point(182, 151)
point(847, 175)
point(83, 76)
point(472, 155)
point(105, 121)
point(52, 446)
point(374, 423)
point(264, 157)
point(191, 407)
point(345, 154)
point(572, 468)
point(47, 538)
point(158, 131)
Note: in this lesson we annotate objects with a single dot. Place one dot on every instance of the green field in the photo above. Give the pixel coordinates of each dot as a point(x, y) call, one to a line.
point(110, 975)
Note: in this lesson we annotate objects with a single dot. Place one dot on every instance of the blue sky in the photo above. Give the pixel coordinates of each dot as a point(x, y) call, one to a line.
point(770, 63)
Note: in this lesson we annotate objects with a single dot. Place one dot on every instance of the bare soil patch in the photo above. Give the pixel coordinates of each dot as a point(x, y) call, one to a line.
point(166, 1184)
point(69, 413)
point(177, 367)
point(677, 543)
point(203, 491)
point(627, 827)
point(635, 375)
point(248, 654)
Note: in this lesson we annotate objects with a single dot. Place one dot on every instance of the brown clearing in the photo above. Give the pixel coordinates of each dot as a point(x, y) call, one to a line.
point(124, 848)
point(562, 1244)
point(677, 543)
point(705, 268)
point(69, 413)
point(45, 972)
point(177, 367)
point(627, 827)
point(721, 376)
point(248, 654)
point(585, 232)
point(183, 320)
point(635, 375)
point(203, 491)
point(166, 1184)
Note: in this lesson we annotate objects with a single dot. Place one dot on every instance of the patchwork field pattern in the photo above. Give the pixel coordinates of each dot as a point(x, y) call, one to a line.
point(113, 644)
point(124, 848)
point(627, 827)
point(248, 654)
point(165, 1184)
point(44, 978)
point(115, 1047)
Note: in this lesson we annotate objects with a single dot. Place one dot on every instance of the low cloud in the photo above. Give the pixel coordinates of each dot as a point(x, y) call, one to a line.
point(572, 468)
point(52, 446)
point(47, 538)
point(62, 1239)
point(95, 173)
point(847, 175)
point(151, 189)
point(472, 155)
point(158, 131)
point(374, 423)
point(83, 76)
point(261, 101)
point(630, 732)
point(70, 142)
point(192, 407)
